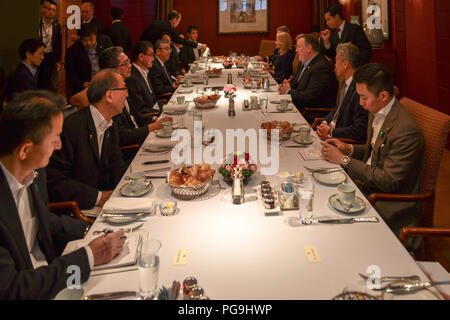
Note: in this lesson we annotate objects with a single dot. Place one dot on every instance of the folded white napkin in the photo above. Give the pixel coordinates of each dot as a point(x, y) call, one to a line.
point(125, 205)
point(175, 107)
point(161, 143)
point(277, 98)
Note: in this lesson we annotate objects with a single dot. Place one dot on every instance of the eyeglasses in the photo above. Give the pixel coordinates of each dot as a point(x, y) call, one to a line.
point(125, 64)
point(118, 89)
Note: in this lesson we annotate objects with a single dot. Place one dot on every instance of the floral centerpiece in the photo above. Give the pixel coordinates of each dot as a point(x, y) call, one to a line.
point(237, 159)
point(229, 90)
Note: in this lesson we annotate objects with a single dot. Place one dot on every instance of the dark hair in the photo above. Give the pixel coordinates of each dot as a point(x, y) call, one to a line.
point(28, 117)
point(315, 28)
point(164, 34)
point(377, 78)
point(103, 81)
point(29, 45)
point(310, 40)
point(116, 13)
point(49, 1)
point(334, 10)
point(191, 28)
point(283, 29)
point(173, 15)
point(87, 30)
point(159, 43)
point(140, 47)
point(109, 58)
point(91, 5)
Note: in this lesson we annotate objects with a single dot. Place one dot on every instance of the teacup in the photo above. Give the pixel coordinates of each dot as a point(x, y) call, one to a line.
point(304, 132)
point(253, 101)
point(284, 104)
point(188, 82)
point(181, 99)
point(167, 127)
point(346, 194)
point(136, 180)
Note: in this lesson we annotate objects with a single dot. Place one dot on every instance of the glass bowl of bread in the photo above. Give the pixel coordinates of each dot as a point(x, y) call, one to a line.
point(190, 182)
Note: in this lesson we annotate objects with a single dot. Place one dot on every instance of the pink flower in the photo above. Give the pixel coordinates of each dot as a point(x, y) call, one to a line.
point(253, 167)
point(228, 168)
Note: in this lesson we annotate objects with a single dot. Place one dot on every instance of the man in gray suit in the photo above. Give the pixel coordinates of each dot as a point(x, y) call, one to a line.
point(391, 159)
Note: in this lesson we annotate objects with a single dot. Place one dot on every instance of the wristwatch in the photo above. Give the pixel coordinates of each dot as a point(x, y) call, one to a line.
point(345, 161)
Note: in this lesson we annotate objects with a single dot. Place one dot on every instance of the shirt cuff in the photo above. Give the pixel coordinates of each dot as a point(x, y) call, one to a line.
point(99, 197)
point(351, 150)
point(90, 256)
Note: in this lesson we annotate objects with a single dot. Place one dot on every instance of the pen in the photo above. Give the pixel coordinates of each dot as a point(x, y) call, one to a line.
point(155, 162)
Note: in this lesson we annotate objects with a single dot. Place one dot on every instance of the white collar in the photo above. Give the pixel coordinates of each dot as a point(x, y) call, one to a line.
point(341, 27)
point(100, 122)
point(116, 21)
point(90, 19)
point(144, 72)
point(384, 112)
point(349, 81)
point(13, 183)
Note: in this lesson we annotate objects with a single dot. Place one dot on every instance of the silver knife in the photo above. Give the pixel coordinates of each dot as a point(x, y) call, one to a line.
point(299, 146)
point(410, 287)
point(110, 295)
point(348, 220)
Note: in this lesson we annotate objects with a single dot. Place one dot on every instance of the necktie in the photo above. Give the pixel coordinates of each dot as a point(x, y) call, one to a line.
point(341, 99)
point(300, 76)
point(167, 74)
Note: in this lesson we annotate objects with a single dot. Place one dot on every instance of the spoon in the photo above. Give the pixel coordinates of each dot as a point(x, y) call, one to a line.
point(346, 208)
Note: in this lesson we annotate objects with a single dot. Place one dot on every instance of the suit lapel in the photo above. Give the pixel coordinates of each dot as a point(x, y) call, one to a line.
point(345, 32)
point(93, 141)
point(10, 217)
point(369, 138)
point(348, 96)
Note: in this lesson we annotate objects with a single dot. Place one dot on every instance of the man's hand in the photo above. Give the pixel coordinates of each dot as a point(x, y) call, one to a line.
point(204, 46)
point(323, 130)
point(105, 196)
point(345, 148)
point(158, 124)
point(107, 247)
point(325, 35)
point(284, 87)
point(175, 85)
point(331, 153)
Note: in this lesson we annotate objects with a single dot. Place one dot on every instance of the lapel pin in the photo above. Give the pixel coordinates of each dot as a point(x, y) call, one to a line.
point(382, 133)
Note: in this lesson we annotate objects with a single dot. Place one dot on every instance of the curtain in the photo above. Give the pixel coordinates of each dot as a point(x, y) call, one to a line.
point(163, 9)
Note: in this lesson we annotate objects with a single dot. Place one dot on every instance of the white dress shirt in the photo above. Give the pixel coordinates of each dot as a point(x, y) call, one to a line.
point(377, 123)
point(144, 73)
point(101, 125)
point(127, 108)
point(28, 219)
point(348, 82)
point(46, 32)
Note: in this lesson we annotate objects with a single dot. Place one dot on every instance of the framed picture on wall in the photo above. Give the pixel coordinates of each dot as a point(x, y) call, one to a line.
point(382, 8)
point(242, 16)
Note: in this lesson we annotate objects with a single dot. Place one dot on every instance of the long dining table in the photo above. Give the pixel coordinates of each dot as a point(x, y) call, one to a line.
point(237, 252)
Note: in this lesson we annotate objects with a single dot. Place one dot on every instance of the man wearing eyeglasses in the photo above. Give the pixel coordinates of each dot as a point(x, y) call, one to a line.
point(159, 73)
point(90, 164)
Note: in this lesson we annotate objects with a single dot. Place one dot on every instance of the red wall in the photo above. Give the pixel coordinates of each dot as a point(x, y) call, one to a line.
point(296, 14)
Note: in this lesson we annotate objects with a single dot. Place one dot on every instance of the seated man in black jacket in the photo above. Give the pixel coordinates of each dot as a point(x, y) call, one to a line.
point(82, 57)
point(348, 119)
point(314, 85)
point(159, 73)
point(174, 66)
point(90, 163)
point(32, 238)
point(31, 52)
point(189, 54)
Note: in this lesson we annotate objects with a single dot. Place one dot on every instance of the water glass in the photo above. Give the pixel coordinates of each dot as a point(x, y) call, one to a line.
point(148, 263)
point(263, 101)
point(181, 99)
point(306, 201)
point(254, 84)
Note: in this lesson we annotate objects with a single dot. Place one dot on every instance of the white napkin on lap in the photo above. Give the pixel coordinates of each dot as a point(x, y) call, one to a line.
point(129, 205)
point(175, 107)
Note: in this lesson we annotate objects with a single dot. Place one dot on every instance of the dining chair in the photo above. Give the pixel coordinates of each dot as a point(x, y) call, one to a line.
point(435, 127)
point(72, 208)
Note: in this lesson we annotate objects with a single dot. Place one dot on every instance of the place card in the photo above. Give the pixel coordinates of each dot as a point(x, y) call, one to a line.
point(312, 254)
point(180, 258)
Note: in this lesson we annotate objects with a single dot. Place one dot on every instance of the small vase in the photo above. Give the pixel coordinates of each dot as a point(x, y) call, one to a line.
point(375, 37)
point(229, 180)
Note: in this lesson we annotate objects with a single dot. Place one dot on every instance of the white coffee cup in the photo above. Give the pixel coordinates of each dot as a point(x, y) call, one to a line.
point(181, 99)
point(304, 132)
point(284, 103)
point(136, 180)
point(167, 127)
point(346, 194)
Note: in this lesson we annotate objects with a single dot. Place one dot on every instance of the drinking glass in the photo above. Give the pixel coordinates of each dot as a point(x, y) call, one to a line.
point(148, 264)
point(263, 100)
point(306, 201)
point(254, 84)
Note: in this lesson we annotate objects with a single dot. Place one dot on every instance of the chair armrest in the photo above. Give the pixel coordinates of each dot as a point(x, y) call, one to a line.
point(374, 197)
point(130, 147)
point(165, 97)
point(352, 141)
point(406, 233)
point(72, 206)
point(316, 122)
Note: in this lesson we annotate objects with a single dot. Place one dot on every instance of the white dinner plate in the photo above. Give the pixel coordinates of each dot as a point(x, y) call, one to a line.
point(161, 134)
point(289, 108)
point(126, 190)
point(126, 218)
point(357, 206)
point(331, 178)
point(296, 139)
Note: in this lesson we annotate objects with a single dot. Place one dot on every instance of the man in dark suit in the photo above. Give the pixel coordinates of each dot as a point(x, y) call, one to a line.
point(189, 54)
point(82, 57)
point(119, 34)
point(314, 85)
point(50, 35)
point(341, 32)
point(32, 238)
point(391, 159)
point(348, 119)
point(90, 163)
point(157, 28)
point(159, 74)
point(31, 52)
point(174, 65)
point(87, 16)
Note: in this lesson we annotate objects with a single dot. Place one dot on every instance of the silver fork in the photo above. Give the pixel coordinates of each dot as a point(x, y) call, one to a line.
point(128, 230)
point(393, 278)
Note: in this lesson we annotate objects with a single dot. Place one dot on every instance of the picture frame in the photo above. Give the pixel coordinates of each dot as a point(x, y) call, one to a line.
point(243, 17)
point(385, 13)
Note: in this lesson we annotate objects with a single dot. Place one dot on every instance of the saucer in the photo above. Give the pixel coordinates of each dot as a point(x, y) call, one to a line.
point(157, 149)
point(184, 85)
point(289, 108)
point(70, 294)
point(126, 190)
point(303, 142)
point(330, 178)
point(161, 134)
point(125, 218)
point(185, 91)
point(358, 204)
